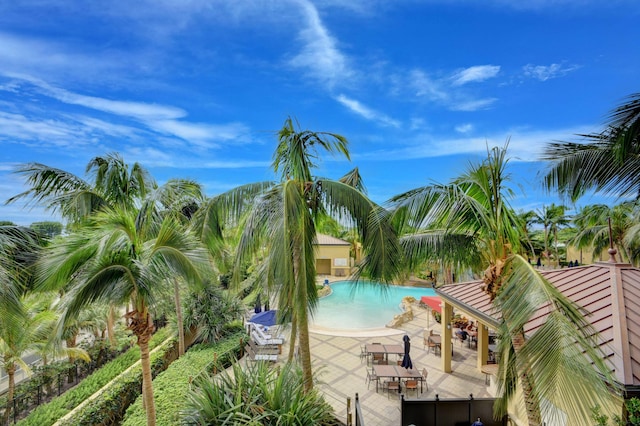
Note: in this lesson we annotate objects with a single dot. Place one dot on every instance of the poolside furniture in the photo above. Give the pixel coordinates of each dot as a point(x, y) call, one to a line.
point(263, 339)
point(363, 352)
point(371, 377)
point(257, 353)
point(489, 370)
point(395, 373)
point(411, 384)
point(425, 373)
point(392, 385)
point(434, 342)
point(377, 358)
point(385, 350)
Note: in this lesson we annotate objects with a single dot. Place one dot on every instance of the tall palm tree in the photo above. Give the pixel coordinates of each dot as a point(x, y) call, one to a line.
point(551, 218)
point(592, 223)
point(281, 227)
point(122, 257)
point(113, 184)
point(27, 332)
point(608, 162)
point(556, 361)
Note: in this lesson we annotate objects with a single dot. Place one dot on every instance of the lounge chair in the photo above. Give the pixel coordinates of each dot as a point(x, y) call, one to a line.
point(259, 354)
point(262, 338)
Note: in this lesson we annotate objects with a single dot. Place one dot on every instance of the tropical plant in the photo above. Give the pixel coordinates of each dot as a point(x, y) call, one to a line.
point(257, 395)
point(28, 332)
point(552, 218)
point(208, 310)
point(560, 362)
point(122, 257)
point(599, 225)
point(608, 162)
point(280, 228)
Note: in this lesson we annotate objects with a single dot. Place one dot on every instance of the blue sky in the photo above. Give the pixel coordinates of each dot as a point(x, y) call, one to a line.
point(197, 89)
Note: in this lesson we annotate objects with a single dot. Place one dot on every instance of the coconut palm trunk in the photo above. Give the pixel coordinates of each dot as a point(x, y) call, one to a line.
point(142, 327)
point(10, 368)
point(179, 319)
point(292, 339)
point(531, 401)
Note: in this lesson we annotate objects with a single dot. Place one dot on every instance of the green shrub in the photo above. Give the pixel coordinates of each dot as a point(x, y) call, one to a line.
point(109, 407)
point(48, 414)
point(172, 387)
point(257, 394)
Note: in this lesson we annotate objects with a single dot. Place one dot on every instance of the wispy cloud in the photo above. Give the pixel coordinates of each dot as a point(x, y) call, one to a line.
point(464, 128)
point(367, 112)
point(525, 145)
point(475, 74)
point(320, 56)
point(161, 119)
point(472, 104)
point(547, 72)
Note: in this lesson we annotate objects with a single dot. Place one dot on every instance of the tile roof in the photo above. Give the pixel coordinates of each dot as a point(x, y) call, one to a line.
point(328, 240)
point(608, 292)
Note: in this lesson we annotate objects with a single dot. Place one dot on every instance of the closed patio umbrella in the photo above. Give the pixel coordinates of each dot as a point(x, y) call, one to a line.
point(406, 360)
point(258, 307)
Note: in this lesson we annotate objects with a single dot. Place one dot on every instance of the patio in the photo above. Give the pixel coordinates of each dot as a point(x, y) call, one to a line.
point(341, 372)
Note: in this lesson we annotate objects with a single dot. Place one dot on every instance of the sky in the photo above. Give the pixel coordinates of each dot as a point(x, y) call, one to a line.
point(198, 89)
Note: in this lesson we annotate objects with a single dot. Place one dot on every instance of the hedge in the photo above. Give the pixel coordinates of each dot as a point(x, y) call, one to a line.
point(109, 407)
point(171, 388)
point(48, 414)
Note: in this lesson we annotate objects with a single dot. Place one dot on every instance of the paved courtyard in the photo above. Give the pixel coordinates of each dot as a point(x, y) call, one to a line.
point(341, 372)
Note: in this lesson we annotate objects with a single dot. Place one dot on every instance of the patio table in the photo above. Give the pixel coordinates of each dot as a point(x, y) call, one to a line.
point(371, 348)
point(396, 372)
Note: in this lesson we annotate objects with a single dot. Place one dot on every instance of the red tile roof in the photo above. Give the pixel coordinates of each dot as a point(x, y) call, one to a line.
point(608, 292)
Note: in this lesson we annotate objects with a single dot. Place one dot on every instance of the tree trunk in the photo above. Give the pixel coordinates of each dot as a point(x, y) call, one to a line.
point(142, 326)
point(547, 253)
point(305, 349)
point(292, 339)
point(555, 243)
point(531, 402)
point(71, 343)
point(11, 371)
point(179, 320)
point(111, 331)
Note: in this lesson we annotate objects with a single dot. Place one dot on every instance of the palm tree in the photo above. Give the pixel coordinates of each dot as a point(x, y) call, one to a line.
point(114, 184)
point(119, 258)
point(609, 162)
point(593, 228)
point(27, 332)
point(281, 227)
point(551, 218)
point(553, 363)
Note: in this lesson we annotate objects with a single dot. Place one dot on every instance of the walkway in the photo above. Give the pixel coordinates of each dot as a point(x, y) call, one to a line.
point(337, 365)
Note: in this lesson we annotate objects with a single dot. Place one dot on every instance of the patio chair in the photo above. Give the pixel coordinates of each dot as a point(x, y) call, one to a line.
point(377, 358)
point(371, 377)
point(363, 352)
point(425, 373)
point(411, 384)
point(392, 385)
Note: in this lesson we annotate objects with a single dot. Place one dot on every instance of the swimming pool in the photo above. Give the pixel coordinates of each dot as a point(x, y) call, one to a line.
point(363, 307)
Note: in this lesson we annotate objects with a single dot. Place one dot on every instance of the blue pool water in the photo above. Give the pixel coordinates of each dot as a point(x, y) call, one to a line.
point(362, 307)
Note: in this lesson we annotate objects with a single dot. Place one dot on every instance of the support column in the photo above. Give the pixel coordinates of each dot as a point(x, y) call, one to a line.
point(483, 345)
point(445, 344)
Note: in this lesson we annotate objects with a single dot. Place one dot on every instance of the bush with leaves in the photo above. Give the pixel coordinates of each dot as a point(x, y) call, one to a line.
point(51, 412)
point(207, 310)
point(257, 394)
point(172, 387)
point(633, 415)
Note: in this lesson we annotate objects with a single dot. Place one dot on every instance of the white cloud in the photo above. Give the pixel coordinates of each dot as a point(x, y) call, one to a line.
point(320, 56)
point(464, 128)
point(473, 104)
point(475, 74)
point(525, 145)
point(546, 72)
point(367, 112)
point(427, 87)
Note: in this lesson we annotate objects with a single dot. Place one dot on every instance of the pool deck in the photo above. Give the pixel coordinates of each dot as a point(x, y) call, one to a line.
point(341, 373)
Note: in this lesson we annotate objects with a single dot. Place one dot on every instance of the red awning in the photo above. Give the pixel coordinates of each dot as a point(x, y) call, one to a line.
point(433, 302)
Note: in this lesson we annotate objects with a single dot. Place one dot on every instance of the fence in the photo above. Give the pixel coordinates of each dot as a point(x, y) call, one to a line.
point(48, 382)
point(449, 412)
